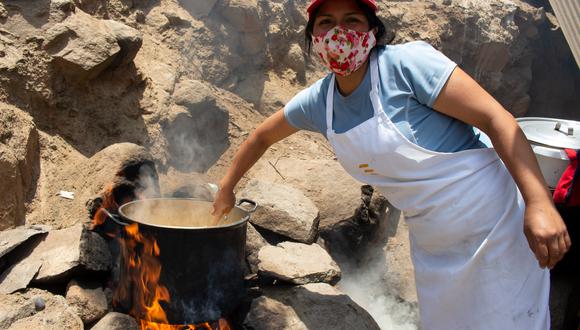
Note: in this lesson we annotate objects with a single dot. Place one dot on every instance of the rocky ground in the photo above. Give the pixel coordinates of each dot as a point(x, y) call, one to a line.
point(90, 86)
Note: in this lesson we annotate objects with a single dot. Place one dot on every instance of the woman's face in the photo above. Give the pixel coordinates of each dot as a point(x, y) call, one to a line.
point(345, 13)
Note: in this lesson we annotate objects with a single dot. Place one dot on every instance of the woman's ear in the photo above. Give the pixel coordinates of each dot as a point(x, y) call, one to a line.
point(374, 30)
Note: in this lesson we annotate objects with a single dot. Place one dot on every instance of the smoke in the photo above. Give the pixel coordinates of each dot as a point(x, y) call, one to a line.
point(367, 280)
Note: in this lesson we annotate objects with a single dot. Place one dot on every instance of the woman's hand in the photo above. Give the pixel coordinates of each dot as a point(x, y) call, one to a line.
point(223, 203)
point(546, 233)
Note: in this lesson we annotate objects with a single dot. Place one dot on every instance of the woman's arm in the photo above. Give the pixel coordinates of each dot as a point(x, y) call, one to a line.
point(272, 130)
point(463, 99)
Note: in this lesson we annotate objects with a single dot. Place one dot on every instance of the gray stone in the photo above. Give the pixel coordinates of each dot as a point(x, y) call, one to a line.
point(88, 299)
point(19, 312)
point(18, 276)
point(267, 313)
point(198, 9)
point(82, 46)
point(196, 132)
point(128, 38)
point(193, 93)
point(283, 210)
point(95, 254)
point(59, 253)
point(116, 321)
point(10, 239)
point(310, 306)
point(243, 15)
point(254, 242)
point(297, 263)
point(65, 251)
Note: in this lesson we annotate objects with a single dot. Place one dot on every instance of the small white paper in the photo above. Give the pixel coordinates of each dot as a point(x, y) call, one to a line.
point(66, 194)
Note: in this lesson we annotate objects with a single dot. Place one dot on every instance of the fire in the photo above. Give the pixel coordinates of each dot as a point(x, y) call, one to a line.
point(108, 204)
point(139, 278)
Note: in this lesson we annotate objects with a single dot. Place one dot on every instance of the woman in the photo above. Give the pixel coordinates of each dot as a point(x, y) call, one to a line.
point(400, 118)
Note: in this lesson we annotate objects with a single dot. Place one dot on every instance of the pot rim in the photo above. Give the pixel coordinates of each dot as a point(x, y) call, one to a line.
point(244, 219)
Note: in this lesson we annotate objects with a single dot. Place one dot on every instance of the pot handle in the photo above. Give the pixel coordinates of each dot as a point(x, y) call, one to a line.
point(249, 201)
point(115, 218)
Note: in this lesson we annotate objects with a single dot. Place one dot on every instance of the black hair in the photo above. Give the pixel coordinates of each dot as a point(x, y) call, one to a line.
point(372, 18)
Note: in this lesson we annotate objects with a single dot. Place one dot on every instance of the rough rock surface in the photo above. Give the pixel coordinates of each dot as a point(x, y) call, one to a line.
point(297, 263)
point(116, 321)
point(325, 182)
point(61, 253)
point(19, 164)
point(283, 210)
point(254, 242)
point(37, 309)
point(310, 306)
point(10, 239)
point(88, 300)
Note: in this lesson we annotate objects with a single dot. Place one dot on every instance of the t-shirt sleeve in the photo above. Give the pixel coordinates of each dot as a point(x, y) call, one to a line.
point(298, 111)
point(426, 69)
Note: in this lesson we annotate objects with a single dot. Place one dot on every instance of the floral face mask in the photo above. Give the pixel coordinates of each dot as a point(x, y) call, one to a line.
point(343, 50)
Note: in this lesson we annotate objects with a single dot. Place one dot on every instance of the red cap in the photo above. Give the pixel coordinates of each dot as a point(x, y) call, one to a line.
point(315, 3)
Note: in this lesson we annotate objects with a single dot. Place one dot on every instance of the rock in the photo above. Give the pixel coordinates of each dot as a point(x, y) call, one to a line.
point(24, 311)
point(283, 210)
point(94, 252)
point(3, 12)
point(18, 276)
point(10, 55)
point(12, 209)
point(19, 163)
point(59, 253)
point(10, 239)
point(82, 46)
point(295, 58)
point(88, 299)
point(254, 242)
point(243, 15)
point(267, 313)
point(116, 321)
point(193, 93)
point(196, 131)
point(333, 191)
point(128, 38)
point(297, 263)
point(198, 9)
point(66, 6)
point(254, 43)
point(63, 252)
point(310, 306)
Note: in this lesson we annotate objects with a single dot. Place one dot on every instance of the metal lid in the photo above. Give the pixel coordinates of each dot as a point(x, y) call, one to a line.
point(559, 133)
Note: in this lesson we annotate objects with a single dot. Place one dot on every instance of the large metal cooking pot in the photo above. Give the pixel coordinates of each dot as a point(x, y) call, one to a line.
point(202, 263)
point(548, 138)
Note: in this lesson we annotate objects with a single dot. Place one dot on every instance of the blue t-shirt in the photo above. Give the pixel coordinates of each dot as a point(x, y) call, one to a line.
point(411, 76)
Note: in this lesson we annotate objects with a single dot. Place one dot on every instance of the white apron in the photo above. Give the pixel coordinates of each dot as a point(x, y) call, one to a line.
point(473, 266)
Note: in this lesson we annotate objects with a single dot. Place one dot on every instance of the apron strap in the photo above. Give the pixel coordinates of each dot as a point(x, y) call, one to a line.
point(374, 93)
point(330, 106)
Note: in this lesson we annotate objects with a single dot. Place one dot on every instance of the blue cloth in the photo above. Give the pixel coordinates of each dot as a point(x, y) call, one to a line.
point(411, 77)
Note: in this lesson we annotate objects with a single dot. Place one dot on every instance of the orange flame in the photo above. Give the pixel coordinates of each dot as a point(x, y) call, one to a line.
point(107, 204)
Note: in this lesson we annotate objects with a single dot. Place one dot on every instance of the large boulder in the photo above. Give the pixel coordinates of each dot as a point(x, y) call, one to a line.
point(82, 46)
point(196, 128)
point(310, 306)
point(283, 210)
